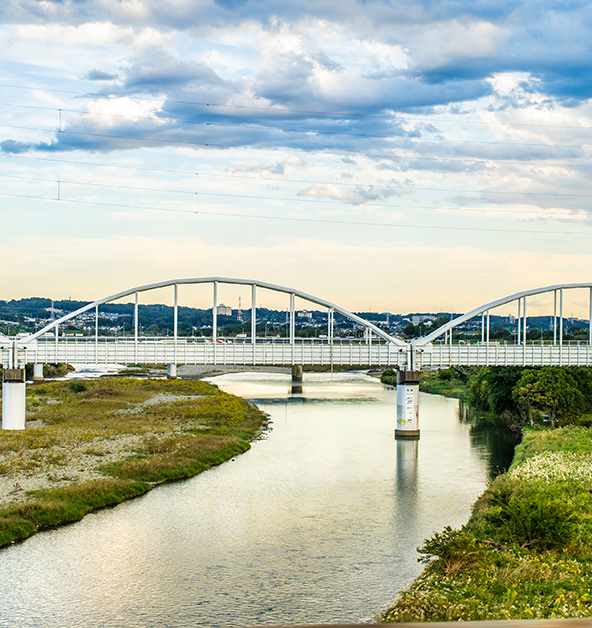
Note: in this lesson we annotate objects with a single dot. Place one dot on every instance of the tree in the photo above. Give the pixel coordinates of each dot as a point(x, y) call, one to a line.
point(410, 330)
point(548, 390)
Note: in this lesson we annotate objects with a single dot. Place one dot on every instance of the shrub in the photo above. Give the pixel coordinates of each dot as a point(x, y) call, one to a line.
point(451, 551)
point(530, 516)
point(77, 387)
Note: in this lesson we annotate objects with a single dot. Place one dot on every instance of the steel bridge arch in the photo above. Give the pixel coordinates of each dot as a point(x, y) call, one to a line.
point(218, 280)
point(425, 340)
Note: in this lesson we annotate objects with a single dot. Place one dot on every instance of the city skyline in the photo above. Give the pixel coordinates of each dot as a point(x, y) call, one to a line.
point(385, 156)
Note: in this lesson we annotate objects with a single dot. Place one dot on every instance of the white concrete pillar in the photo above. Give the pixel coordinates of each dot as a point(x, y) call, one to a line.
point(37, 372)
point(407, 405)
point(13, 399)
point(172, 371)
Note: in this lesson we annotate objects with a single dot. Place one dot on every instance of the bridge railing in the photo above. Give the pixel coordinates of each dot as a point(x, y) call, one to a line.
point(193, 350)
point(463, 354)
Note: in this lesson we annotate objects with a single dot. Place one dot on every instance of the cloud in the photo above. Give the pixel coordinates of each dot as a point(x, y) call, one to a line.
point(280, 167)
point(155, 71)
point(99, 75)
point(355, 194)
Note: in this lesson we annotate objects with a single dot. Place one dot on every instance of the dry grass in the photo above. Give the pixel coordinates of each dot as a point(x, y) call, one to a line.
point(130, 434)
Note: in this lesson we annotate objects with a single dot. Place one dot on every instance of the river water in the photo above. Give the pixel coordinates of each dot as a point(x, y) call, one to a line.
point(318, 522)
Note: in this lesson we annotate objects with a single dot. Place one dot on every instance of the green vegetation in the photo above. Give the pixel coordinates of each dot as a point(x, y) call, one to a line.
point(94, 443)
point(451, 382)
point(389, 377)
point(514, 396)
point(528, 396)
point(526, 552)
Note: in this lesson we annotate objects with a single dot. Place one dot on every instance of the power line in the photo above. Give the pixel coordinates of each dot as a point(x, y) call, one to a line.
point(318, 113)
point(353, 223)
point(267, 127)
point(300, 199)
point(169, 142)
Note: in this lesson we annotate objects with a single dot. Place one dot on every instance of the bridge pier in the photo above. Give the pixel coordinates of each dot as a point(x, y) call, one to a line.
point(37, 372)
point(297, 378)
point(171, 371)
point(13, 399)
point(407, 405)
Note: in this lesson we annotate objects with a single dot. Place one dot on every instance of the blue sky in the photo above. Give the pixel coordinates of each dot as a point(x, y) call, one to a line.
point(402, 156)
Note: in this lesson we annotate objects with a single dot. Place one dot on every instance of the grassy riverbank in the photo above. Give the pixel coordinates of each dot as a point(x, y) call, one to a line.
point(445, 382)
point(95, 443)
point(526, 551)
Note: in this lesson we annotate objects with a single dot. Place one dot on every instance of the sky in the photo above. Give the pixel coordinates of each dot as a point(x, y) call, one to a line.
point(412, 156)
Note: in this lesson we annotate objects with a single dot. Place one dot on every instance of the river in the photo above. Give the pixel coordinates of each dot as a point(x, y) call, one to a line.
point(318, 522)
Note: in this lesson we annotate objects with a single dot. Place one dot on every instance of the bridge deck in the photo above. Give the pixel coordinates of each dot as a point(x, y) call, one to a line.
point(345, 352)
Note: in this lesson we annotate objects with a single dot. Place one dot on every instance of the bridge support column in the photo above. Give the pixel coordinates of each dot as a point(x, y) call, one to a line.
point(13, 399)
point(171, 371)
point(407, 405)
point(37, 372)
point(296, 378)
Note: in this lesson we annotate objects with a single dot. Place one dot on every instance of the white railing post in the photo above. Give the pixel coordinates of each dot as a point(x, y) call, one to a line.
point(524, 332)
point(253, 318)
point(561, 327)
point(519, 322)
point(554, 317)
point(97, 334)
point(590, 320)
point(136, 330)
point(292, 325)
point(487, 341)
point(214, 321)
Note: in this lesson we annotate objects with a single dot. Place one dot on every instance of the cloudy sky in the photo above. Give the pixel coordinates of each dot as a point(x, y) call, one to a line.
point(402, 156)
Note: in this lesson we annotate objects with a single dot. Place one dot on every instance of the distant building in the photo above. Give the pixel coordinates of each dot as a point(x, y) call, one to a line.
point(305, 314)
point(422, 318)
point(224, 310)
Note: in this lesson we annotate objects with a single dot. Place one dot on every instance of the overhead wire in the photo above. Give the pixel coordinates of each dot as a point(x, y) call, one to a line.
point(331, 221)
point(327, 114)
point(299, 199)
point(172, 142)
point(269, 127)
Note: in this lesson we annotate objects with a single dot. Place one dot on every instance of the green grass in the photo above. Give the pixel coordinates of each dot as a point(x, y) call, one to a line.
point(429, 383)
point(178, 429)
point(446, 382)
point(526, 552)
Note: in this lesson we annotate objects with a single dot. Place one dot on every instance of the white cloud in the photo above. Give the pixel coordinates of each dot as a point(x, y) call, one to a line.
point(441, 43)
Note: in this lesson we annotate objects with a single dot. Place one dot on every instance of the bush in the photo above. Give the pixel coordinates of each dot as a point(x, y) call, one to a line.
point(451, 551)
point(389, 376)
point(530, 516)
point(77, 387)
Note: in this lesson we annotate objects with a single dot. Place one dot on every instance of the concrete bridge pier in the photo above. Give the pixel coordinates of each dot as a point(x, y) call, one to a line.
point(13, 399)
point(407, 405)
point(37, 372)
point(171, 371)
point(296, 378)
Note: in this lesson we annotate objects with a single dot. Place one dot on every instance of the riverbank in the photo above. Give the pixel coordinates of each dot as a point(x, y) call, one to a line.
point(445, 382)
point(526, 551)
point(91, 444)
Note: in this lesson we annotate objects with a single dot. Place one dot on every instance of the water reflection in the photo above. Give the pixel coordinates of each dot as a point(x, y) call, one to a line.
point(318, 522)
point(407, 463)
point(496, 444)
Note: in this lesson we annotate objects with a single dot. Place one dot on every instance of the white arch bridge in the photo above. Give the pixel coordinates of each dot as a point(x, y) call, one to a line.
point(438, 349)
